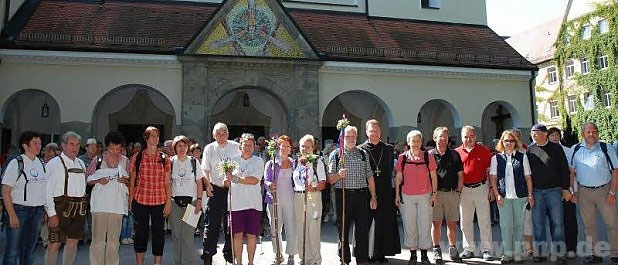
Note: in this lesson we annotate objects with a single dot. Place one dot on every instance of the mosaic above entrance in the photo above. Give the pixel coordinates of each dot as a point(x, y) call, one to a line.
point(251, 28)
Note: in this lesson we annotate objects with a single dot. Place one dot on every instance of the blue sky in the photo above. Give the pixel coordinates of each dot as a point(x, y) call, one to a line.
point(508, 17)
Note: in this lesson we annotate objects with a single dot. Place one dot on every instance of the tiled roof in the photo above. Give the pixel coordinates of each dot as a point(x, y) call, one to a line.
point(150, 27)
point(160, 27)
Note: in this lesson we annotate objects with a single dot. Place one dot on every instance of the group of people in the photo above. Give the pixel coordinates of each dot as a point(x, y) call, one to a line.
point(372, 184)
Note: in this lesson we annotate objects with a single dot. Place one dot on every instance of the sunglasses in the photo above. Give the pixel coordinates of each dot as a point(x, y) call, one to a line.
point(509, 141)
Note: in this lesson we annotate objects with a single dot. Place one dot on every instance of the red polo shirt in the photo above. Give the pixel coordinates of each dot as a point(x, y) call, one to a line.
point(475, 163)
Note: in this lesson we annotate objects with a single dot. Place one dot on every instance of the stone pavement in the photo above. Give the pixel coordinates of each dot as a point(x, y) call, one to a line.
point(264, 253)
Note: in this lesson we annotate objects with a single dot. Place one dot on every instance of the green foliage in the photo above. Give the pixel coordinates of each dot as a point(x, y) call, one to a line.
point(597, 82)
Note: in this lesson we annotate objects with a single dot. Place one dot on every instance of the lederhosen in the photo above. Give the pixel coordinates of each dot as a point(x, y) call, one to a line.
point(71, 211)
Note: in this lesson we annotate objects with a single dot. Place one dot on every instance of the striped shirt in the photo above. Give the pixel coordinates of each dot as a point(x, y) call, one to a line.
point(357, 171)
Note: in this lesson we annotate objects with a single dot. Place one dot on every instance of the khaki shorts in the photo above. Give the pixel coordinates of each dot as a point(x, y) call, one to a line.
point(71, 212)
point(448, 206)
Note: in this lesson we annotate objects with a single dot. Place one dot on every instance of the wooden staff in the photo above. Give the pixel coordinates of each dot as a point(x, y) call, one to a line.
point(343, 232)
point(307, 183)
point(229, 198)
point(276, 218)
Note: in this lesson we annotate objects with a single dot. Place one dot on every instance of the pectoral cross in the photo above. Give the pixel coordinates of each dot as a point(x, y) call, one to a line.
point(377, 172)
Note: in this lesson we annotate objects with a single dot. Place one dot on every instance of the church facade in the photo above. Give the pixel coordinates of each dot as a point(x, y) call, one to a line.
point(260, 66)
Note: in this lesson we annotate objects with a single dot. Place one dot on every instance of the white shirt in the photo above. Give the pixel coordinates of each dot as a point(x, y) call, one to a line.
point(301, 172)
point(247, 196)
point(183, 178)
point(55, 181)
point(213, 155)
point(509, 176)
point(111, 197)
point(37, 181)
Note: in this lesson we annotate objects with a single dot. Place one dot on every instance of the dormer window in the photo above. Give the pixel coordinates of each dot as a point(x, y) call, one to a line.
point(430, 4)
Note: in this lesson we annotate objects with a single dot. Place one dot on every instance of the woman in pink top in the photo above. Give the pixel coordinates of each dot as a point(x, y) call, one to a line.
point(416, 194)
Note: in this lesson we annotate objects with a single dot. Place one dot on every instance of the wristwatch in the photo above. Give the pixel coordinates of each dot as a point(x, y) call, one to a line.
point(613, 193)
point(235, 179)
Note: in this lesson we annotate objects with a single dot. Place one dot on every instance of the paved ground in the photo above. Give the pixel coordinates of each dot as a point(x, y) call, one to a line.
point(263, 255)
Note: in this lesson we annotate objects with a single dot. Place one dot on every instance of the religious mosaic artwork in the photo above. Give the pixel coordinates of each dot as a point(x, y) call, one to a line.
point(251, 29)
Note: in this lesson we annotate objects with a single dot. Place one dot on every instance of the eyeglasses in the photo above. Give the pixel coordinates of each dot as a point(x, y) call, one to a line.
point(509, 141)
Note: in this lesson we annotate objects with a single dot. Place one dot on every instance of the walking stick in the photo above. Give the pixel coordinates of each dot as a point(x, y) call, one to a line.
point(229, 196)
point(341, 125)
point(307, 183)
point(278, 257)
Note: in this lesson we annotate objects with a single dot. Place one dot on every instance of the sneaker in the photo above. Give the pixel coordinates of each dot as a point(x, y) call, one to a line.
point(613, 261)
point(290, 260)
point(425, 261)
point(467, 254)
point(452, 251)
point(506, 260)
point(437, 254)
point(487, 256)
point(571, 254)
point(592, 259)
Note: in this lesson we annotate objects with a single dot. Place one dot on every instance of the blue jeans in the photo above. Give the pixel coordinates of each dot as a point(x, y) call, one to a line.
point(127, 226)
point(548, 203)
point(21, 242)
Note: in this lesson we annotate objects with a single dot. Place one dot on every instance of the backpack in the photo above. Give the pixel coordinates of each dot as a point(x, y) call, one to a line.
point(403, 166)
point(138, 162)
point(20, 171)
point(603, 148)
point(193, 165)
point(362, 152)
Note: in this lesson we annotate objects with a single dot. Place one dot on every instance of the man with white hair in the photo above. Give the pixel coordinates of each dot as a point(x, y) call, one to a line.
point(66, 200)
point(351, 173)
point(216, 152)
point(476, 193)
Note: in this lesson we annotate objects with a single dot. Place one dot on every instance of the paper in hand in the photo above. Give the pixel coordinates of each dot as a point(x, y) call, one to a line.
point(109, 173)
point(190, 217)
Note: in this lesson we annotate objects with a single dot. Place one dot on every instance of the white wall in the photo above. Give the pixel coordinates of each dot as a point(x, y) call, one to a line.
point(406, 89)
point(77, 84)
point(457, 11)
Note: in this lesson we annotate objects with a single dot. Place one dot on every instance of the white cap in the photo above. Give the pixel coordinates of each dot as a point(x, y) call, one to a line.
point(91, 141)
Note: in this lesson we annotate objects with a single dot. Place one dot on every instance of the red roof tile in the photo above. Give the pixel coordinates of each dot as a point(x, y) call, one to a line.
point(158, 27)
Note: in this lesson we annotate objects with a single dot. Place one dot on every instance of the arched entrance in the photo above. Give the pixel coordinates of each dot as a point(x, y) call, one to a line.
point(438, 113)
point(30, 110)
point(358, 107)
point(497, 117)
point(129, 109)
point(251, 110)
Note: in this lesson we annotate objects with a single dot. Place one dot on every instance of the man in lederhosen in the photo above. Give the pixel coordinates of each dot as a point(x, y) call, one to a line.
point(65, 200)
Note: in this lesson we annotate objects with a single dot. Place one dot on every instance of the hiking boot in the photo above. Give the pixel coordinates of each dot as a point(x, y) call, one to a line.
point(437, 254)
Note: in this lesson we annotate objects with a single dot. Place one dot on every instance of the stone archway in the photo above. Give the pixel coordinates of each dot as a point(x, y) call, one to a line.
point(497, 117)
point(359, 107)
point(250, 109)
point(438, 113)
point(30, 110)
point(129, 109)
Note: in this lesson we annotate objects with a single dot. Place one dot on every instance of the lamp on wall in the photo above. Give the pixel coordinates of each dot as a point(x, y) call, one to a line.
point(45, 111)
point(245, 100)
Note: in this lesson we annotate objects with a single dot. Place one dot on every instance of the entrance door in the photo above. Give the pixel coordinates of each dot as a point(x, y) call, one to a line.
point(134, 132)
point(238, 130)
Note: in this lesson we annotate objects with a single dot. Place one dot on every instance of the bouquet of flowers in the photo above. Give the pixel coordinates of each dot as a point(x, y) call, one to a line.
point(312, 158)
point(341, 124)
point(227, 166)
point(271, 147)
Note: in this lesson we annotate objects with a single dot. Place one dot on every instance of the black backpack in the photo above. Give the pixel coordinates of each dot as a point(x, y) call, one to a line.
point(20, 171)
point(603, 148)
point(362, 152)
point(138, 162)
point(193, 166)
